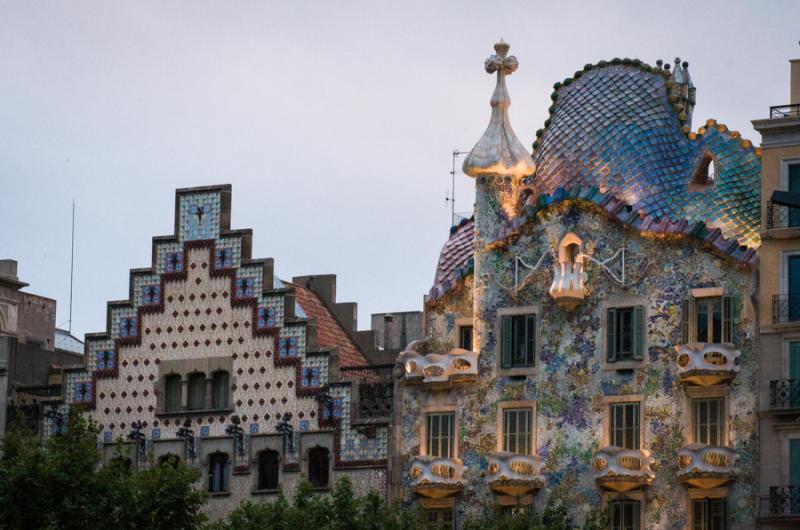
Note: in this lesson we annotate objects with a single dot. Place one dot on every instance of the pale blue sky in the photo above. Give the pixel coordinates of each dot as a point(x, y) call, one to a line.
point(333, 121)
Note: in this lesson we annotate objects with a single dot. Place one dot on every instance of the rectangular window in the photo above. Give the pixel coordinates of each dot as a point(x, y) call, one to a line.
point(624, 423)
point(441, 434)
point(709, 421)
point(517, 430)
point(625, 515)
point(625, 334)
point(465, 337)
point(709, 514)
point(518, 341)
point(707, 320)
point(794, 187)
point(439, 519)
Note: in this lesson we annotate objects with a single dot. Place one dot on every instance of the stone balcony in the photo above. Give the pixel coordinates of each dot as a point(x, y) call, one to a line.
point(706, 364)
point(568, 285)
point(438, 370)
point(514, 474)
point(621, 470)
point(705, 467)
point(437, 478)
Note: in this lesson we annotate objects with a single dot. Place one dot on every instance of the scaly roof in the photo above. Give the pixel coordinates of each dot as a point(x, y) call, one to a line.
point(455, 260)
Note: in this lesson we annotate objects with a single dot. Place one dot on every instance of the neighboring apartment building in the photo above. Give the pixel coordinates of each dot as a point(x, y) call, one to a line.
point(591, 331)
point(30, 345)
point(215, 361)
point(779, 321)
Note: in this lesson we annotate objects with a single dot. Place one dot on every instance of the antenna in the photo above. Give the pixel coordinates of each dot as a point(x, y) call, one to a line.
point(452, 198)
point(71, 266)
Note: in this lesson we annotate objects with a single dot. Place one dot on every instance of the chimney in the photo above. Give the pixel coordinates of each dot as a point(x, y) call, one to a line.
point(794, 82)
point(8, 267)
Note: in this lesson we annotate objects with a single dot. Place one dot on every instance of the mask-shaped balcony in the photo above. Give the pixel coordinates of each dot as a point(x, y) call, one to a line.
point(514, 474)
point(621, 470)
point(435, 477)
point(703, 466)
point(706, 364)
point(569, 276)
point(438, 370)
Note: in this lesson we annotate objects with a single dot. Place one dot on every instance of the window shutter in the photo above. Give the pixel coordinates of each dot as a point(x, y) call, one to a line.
point(727, 319)
point(530, 339)
point(638, 333)
point(611, 343)
point(687, 320)
point(506, 342)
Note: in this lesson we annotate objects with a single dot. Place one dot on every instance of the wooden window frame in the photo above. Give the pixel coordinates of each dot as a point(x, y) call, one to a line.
point(614, 400)
point(423, 431)
point(689, 314)
point(634, 495)
point(501, 408)
point(708, 392)
point(694, 494)
point(512, 312)
point(449, 440)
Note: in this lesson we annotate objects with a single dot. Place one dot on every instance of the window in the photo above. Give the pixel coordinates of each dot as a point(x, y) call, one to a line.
point(709, 421)
point(465, 337)
point(172, 392)
point(268, 470)
point(707, 320)
point(169, 459)
point(709, 514)
point(625, 515)
point(218, 472)
point(517, 429)
point(793, 171)
point(197, 391)
point(318, 467)
point(441, 434)
point(518, 341)
point(624, 425)
point(219, 390)
point(625, 334)
point(439, 519)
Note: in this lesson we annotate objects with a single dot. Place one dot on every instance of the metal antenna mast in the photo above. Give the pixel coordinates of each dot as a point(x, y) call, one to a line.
point(452, 198)
point(71, 265)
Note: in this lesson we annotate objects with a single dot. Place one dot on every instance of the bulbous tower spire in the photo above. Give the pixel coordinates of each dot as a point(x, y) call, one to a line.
point(499, 151)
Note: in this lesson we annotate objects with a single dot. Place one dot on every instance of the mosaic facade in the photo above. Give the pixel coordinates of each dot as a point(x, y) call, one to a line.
point(585, 289)
point(214, 359)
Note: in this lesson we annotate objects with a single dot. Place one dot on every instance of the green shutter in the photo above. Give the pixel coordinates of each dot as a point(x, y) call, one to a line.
point(686, 319)
point(794, 462)
point(506, 342)
point(530, 340)
point(611, 343)
point(727, 319)
point(638, 333)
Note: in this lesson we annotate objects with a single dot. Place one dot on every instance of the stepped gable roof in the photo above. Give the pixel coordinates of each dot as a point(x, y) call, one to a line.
point(455, 260)
point(622, 127)
point(330, 333)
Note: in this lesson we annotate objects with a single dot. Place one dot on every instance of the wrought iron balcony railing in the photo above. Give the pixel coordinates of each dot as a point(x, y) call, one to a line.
point(782, 216)
point(785, 111)
point(785, 308)
point(784, 394)
point(783, 501)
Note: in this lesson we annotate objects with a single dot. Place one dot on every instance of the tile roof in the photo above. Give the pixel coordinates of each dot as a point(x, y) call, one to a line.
point(330, 333)
point(455, 260)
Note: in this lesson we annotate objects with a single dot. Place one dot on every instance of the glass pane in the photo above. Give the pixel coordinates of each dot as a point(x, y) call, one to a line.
point(702, 321)
point(716, 325)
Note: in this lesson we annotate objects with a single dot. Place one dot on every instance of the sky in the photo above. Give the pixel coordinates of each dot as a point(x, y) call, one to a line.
point(333, 121)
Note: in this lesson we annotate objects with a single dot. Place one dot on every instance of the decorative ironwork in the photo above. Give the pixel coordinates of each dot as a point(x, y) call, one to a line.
point(784, 394)
point(785, 308)
point(327, 401)
point(188, 438)
point(782, 501)
point(56, 417)
point(139, 439)
point(237, 432)
point(782, 216)
point(375, 400)
point(285, 428)
point(785, 111)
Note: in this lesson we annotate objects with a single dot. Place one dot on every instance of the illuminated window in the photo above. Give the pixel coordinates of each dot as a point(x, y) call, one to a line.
point(517, 430)
point(709, 421)
point(441, 434)
point(624, 424)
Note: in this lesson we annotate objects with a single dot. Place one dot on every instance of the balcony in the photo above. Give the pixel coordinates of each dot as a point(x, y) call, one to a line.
point(705, 467)
point(782, 504)
point(785, 111)
point(437, 370)
point(569, 275)
point(784, 395)
point(514, 474)
point(437, 478)
point(781, 215)
point(621, 470)
point(706, 364)
point(786, 308)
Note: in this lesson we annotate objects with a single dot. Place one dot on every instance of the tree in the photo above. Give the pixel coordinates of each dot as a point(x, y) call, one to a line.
point(555, 516)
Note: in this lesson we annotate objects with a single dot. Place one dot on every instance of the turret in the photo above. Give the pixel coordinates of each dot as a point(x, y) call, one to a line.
point(684, 89)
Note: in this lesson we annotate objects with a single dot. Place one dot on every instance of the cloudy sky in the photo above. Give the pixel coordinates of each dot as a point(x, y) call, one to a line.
point(333, 121)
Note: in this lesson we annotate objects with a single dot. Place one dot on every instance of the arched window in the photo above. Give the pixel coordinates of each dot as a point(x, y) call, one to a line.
point(217, 472)
point(318, 467)
point(219, 390)
point(169, 459)
point(172, 393)
point(197, 391)
point(268, 470)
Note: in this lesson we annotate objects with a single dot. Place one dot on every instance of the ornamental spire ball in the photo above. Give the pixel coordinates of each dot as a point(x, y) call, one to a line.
point(499, 152)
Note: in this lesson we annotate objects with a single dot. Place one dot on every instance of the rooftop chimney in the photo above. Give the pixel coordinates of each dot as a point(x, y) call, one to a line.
point(794, 82)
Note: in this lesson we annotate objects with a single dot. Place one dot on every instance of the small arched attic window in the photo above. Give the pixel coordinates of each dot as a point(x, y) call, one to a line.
point(704, 174)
